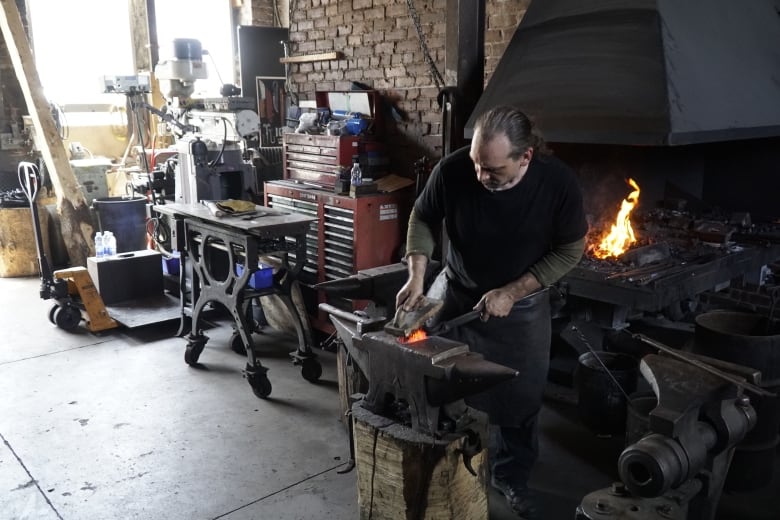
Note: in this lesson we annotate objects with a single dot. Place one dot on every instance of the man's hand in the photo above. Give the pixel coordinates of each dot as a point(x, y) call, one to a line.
point(497, 302)
point(410, 295)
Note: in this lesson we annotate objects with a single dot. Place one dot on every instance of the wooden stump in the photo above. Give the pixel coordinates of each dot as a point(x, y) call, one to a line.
point(351, 381)
point(403, 474)
point(18, 252)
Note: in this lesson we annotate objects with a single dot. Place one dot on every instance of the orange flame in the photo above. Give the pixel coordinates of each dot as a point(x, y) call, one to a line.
point(417, 335)
point(621, 236)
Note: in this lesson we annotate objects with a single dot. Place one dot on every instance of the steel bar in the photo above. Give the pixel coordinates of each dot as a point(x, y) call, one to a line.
point(704, 366)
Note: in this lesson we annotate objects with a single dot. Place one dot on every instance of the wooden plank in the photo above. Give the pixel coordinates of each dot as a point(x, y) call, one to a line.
point(75, 218)
point(405, 474)
point(325, 56)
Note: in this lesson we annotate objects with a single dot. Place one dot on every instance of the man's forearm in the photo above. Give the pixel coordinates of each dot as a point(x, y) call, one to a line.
point(523, 286)
point(417, 263)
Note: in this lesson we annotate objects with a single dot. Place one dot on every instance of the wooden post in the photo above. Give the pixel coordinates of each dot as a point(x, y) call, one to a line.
point(75, 218)
point(405, 475)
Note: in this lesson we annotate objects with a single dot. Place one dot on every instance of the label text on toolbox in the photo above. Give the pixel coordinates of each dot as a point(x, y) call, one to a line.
point(388, 211)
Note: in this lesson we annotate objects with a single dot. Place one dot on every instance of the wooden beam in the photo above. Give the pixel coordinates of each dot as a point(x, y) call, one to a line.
point(75, 218)
point(306, 58)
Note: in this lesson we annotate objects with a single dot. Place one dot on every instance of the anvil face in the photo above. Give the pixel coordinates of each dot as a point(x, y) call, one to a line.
point(430, 350)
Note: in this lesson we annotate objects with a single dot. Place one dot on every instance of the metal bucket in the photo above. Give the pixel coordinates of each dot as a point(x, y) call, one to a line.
point(747, 339)
point(125, 218)
point(601, 403)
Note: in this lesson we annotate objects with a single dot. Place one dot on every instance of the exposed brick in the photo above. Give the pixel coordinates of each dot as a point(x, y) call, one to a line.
point(343, 85)
point(316, 76)
point(385, 48)
point(306, 46)
point(375, 13)
point(325, 86)
point(397, 10)
point(305, 25)
point(395, 35)
point(305, 67)
point(395, 72)
point(334, 75)
point(354, 40)
point(325, 45)
point(361, 4)
point(315, 35)
point(373, 37)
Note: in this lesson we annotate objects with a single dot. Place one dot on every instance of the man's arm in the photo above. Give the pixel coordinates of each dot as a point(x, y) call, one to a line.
point(419, 247)
point(549, 269)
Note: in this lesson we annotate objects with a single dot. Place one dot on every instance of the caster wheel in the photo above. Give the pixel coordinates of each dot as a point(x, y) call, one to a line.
point(192, 353)
point(261, 386)
point(53, 309)
point(311, 370)
point(67, 318)
point(236, 345)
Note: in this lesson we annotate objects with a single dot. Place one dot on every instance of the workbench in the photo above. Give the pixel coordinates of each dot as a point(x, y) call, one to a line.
point(219, 256)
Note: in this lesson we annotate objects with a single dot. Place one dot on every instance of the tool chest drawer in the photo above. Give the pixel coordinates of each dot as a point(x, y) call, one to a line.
point(317, 158)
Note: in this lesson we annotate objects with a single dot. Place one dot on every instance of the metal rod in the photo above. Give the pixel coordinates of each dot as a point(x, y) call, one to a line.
point(704, 366)
point(587, 344)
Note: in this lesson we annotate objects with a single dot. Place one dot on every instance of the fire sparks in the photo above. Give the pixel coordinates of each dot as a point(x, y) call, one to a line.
point(621, 236)
point(417, 335)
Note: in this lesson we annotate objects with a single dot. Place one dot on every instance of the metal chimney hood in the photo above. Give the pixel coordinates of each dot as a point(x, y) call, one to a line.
point(643, 72)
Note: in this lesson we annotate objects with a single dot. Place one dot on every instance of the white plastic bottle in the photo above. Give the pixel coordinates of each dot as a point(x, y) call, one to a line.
point(99, 245)
point(356, 175)
point(111, 243)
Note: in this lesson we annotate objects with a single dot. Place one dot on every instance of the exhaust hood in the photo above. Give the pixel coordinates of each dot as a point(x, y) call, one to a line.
point(643, 72)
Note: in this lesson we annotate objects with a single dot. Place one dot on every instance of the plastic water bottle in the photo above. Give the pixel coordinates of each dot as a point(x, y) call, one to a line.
point(99, 245)
point(110, 244)
point(356, 176)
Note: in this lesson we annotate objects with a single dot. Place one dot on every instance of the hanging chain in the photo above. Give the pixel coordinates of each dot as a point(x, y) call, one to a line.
point(437, 78)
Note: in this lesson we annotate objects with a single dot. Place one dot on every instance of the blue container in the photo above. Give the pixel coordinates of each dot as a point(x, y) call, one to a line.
point(263, 278)
point(170, 265)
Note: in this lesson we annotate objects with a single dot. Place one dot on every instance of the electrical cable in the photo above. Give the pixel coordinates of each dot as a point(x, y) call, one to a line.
point(215, 66)
point(224, 143)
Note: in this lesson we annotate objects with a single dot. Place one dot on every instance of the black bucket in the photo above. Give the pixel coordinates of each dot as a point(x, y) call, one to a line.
point(601, 403)
point(747, 339)
point(125, 218)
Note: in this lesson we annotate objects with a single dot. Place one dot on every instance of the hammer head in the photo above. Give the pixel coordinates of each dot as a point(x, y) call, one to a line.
point(405, 322)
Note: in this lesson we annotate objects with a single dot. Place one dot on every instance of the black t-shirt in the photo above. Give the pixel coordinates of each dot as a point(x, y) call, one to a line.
point(496, 236)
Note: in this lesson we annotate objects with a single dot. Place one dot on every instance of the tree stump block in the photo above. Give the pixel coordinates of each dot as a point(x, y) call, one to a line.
point(403, 474)
point(18, 249)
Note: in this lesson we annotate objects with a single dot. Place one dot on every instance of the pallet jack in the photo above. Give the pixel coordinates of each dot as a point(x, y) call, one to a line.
point(75, 295)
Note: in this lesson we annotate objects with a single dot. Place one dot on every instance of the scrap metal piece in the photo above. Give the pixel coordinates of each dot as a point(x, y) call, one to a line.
point(405, 322)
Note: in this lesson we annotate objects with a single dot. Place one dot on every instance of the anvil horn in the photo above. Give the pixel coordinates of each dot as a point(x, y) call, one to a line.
point(468, 374)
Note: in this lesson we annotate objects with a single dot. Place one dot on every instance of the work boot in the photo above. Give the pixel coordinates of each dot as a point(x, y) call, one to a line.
point(519, 499)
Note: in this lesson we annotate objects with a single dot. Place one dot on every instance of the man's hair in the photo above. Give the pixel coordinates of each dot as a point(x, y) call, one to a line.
point(513, 123)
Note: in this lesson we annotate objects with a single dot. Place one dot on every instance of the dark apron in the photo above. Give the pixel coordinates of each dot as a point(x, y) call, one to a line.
point(520, 341)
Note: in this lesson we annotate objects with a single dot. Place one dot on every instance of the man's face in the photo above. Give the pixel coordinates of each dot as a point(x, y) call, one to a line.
point(496, 170)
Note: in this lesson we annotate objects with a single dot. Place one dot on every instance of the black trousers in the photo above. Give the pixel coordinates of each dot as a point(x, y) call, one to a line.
point(520, 341)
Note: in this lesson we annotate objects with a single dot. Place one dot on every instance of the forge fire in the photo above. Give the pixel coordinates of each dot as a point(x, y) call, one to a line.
point(621, 235)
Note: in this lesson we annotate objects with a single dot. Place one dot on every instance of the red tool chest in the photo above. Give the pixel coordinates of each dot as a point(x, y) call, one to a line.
point(350, 233)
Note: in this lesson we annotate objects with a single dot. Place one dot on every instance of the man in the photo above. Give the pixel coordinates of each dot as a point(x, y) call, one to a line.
point(514, 228)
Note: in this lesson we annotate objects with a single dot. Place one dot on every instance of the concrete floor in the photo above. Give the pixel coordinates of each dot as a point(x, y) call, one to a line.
point(116, 425)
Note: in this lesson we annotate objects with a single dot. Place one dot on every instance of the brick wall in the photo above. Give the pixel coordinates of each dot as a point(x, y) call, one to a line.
point(381, 49)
